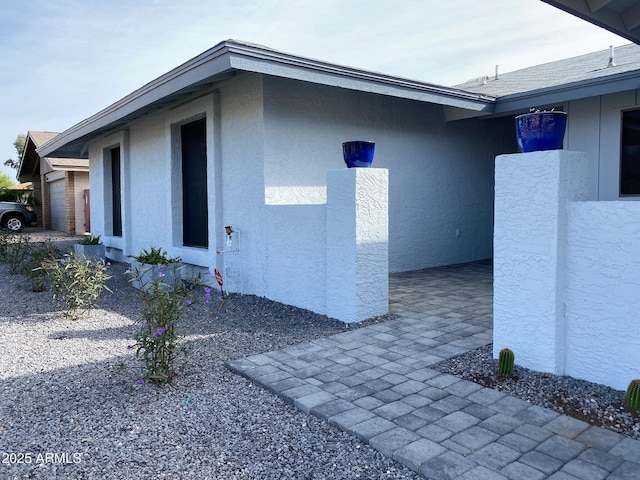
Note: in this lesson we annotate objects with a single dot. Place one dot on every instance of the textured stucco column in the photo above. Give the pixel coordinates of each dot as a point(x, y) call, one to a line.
point(532, 193)
point(357, 243)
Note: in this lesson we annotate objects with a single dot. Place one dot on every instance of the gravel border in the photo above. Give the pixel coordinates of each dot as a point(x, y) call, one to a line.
point(591, 402)
point(69, 402)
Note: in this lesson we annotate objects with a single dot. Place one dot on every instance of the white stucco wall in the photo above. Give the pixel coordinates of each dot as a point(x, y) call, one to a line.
point(603, 299)
point(151, 183)
point(532, 193)
point(566, 270)
point(440, 174)
point(594, 126)
point(296, 264)
point(357, 253)
point(270, 143)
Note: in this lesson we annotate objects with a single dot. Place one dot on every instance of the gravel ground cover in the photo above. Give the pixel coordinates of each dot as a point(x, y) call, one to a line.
point(70, 408)
point(593, 403)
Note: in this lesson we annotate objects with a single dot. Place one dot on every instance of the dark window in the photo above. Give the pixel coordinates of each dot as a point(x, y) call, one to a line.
point(116, 191)
point(195, 227)
point(630, 153)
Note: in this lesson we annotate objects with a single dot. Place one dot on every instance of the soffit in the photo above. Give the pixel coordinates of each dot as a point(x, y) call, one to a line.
point(621, 17)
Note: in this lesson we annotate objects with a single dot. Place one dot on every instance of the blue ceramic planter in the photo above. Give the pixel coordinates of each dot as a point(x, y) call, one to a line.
point(538, 131)
point(358, 153)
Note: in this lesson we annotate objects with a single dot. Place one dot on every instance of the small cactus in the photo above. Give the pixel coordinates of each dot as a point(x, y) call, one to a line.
point(505, 363)
point(632, 397)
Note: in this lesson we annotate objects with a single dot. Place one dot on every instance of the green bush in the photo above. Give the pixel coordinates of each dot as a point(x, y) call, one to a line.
point(90, 240)
point(155, 256)
point(77, 282)
point(15, 250)
point(32, 265)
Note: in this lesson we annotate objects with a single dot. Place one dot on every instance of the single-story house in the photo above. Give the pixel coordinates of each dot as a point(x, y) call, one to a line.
point(244, 136)
point(233, 161)
point(60, 186)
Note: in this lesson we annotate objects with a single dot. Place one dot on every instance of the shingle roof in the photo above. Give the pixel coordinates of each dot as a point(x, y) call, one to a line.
point(30, 160)
point(585, 67)
point(40, 138)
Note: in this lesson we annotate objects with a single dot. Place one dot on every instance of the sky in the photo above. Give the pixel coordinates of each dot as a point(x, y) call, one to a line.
point(62, 61)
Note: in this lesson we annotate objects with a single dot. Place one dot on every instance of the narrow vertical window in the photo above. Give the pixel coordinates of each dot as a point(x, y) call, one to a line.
point(194, 184)
point(630, 153)
point(116, 191)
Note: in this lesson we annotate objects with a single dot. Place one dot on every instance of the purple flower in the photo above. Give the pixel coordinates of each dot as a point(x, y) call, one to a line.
point(208, 272)
point(129, 347)
point(160, 331)
point(108, 264)
point(140, 381)
point(62, 261)
point(207, 290)
point(188, 301)
point(161, 275)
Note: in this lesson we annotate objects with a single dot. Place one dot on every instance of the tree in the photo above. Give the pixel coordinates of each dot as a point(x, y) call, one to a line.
point(19, 143)
point(5, 181)
point(6, 195)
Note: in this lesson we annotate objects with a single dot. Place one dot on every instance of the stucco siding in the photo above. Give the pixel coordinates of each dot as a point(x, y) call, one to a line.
point(440, 174)
point(603, 273)
point(594, 127)
point(295, 235)
point(270, 143)
point(242, 182)
point(151, 182)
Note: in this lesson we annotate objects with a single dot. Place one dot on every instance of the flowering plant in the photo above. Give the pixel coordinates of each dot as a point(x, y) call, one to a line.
point(164, 300)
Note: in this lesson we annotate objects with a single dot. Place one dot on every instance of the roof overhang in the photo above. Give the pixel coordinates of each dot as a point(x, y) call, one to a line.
point(559, 94)
point(225, 60)
point(621, 17)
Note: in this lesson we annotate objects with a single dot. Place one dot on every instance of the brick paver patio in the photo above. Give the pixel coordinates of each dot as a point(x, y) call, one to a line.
point(375, 383)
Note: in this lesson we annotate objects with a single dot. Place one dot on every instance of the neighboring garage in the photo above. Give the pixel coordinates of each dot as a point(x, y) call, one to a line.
point(58, 186)
point(57, 199)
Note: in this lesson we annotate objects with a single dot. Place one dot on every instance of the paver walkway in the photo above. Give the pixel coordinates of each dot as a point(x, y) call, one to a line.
point(375, 383)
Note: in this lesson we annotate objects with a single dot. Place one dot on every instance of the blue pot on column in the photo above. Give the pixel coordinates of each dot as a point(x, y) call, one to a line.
point(539, 131)
point(358, 153)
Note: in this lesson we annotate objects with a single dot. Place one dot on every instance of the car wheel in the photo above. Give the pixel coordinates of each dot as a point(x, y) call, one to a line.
point(14, 223)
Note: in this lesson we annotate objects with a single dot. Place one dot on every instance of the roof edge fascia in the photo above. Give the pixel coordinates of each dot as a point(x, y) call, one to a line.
point(233, 55)
point(567, 92)
point(255, 58)
point(143, 96)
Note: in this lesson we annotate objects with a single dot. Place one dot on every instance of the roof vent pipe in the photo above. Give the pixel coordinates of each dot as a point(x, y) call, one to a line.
point(496, 77)
point(612, 62)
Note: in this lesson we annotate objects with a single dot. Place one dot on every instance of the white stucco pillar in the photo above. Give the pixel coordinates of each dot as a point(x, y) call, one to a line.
point(357, 243)
point(532, 193)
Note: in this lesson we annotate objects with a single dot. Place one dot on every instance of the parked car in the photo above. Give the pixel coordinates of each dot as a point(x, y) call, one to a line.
point(15, 216)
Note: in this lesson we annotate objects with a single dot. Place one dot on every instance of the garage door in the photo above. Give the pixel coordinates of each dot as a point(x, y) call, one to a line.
point(58, 212)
